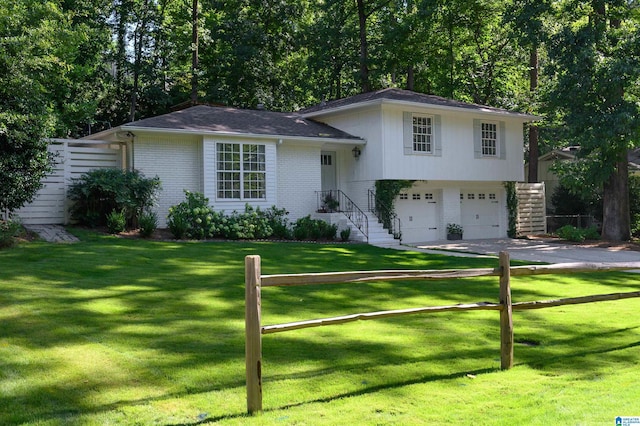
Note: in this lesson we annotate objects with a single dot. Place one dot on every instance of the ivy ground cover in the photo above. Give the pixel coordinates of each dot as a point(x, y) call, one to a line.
point(117, 331)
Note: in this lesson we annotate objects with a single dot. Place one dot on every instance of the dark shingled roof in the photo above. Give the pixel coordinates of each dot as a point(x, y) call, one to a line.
point(403, 96)
point(208, 119)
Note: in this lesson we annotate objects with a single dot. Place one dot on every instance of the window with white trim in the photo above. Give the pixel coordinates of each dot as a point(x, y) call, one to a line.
point(489, 139)
point(422, 134)
point(416, 196)
point(404, 196)
point(241, 171)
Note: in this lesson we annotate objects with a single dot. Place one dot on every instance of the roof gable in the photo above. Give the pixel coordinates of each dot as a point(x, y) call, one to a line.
point(394, 95)
point(224, 120)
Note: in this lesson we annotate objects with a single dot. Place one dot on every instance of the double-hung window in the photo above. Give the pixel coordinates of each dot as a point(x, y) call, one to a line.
point(241, 171)
point(489, 139)
point(422, 134)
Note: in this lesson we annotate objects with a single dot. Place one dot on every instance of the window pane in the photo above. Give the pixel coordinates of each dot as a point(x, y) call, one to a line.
point(422, 134)
point(489, 139)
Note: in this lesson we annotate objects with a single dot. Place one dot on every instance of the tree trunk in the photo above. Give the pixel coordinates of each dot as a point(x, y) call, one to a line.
point(364, 48)
point(616, 221)
point(534, 152)
point(410, 78)
point(194, 52)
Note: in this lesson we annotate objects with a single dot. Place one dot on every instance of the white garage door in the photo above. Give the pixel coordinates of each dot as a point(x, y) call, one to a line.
point(419, 213)
point(480, 212)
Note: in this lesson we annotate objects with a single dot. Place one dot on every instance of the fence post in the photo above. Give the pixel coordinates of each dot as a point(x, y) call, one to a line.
point(506, 318)
point(253, 342)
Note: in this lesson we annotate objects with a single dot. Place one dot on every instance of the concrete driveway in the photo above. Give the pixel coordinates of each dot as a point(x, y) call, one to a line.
point(548, 251)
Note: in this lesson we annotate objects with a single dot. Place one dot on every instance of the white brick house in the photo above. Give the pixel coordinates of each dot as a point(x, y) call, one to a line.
point(458, 155)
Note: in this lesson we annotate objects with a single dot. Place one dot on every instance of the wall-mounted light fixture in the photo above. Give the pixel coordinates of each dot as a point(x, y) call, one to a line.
point(356, 152)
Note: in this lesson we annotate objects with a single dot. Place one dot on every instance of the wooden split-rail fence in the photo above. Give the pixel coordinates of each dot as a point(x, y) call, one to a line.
point(254, 281)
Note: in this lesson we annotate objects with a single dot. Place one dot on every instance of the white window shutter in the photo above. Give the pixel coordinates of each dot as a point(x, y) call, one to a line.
point(407, 132)
point(477, 138)
point(437, 135)
point(502, 135)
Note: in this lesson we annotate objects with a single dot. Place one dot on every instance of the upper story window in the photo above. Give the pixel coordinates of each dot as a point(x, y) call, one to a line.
point(241, 171)
point(422, 134)
point(489, 139)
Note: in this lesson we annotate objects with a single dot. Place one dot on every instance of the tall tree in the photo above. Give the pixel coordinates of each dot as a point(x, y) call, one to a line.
point(28, 34)
point(527, 18)
point(596, 60)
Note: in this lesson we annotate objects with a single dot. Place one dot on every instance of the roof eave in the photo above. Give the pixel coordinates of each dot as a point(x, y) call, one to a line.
point(478, 110)
point(242, 134)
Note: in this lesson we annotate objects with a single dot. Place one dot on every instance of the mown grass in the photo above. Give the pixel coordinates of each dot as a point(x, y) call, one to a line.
point(116, 331)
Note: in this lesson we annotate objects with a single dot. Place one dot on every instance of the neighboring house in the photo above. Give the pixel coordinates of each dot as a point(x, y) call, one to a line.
point(552, 181)
point(458, 155)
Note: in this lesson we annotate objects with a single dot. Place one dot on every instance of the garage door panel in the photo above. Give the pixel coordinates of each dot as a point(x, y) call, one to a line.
point(419, 213)
point(480, 214)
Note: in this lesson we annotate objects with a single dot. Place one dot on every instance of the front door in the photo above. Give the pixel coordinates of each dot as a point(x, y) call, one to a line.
point(328, 170)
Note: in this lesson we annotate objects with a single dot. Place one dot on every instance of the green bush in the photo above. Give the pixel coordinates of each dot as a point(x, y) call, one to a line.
point(251, 224)
point(571, 233)
point(193, 218)
point(98, 192)
point(306, 228)
point(148, 223)
point(116, 221)
point(9, 230)
point(345, 234)
point(277, 219)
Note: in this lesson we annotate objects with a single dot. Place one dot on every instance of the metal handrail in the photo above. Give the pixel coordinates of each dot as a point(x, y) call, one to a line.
point(385, 215)
point(337, 201)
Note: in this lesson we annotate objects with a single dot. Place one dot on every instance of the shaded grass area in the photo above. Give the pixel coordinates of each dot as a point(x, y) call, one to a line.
point(116, 331)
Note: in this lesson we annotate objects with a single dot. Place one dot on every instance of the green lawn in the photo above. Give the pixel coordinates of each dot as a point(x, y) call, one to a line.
point(114, 331)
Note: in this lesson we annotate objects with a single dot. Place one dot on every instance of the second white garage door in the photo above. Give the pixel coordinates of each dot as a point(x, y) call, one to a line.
point(419, 213)
point(480, 211)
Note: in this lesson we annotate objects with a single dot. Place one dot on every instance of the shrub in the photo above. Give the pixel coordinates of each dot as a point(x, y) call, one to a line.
point(9, 229)
point(116, 221)
point(306, 228)
point(278, 222)
point(571, 233)
point(248, 225)
point(345, 234)
point(193, 218)
point(148, 223)
point(98, 192)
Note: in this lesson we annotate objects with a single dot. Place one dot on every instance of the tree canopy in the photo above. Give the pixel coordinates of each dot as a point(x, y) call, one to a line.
point(73, 67)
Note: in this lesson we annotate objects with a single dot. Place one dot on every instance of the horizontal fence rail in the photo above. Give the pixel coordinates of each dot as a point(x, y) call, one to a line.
point(254, 281)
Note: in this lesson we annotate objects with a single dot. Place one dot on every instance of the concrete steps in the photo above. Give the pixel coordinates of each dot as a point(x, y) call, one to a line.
point(378, 236)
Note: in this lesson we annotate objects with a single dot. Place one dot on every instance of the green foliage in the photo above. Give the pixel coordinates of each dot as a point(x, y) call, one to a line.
point(386, 193)
point(148, 222)
point(196, 219)
point(9, 230)
point(193, 218)
point(307, 228)
point(345, 234)
point(571, 233)
point(454, 228)
point(116, 221)
point(566, 202)
point(512, 208)
point(277, 220)
point(98, 192)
